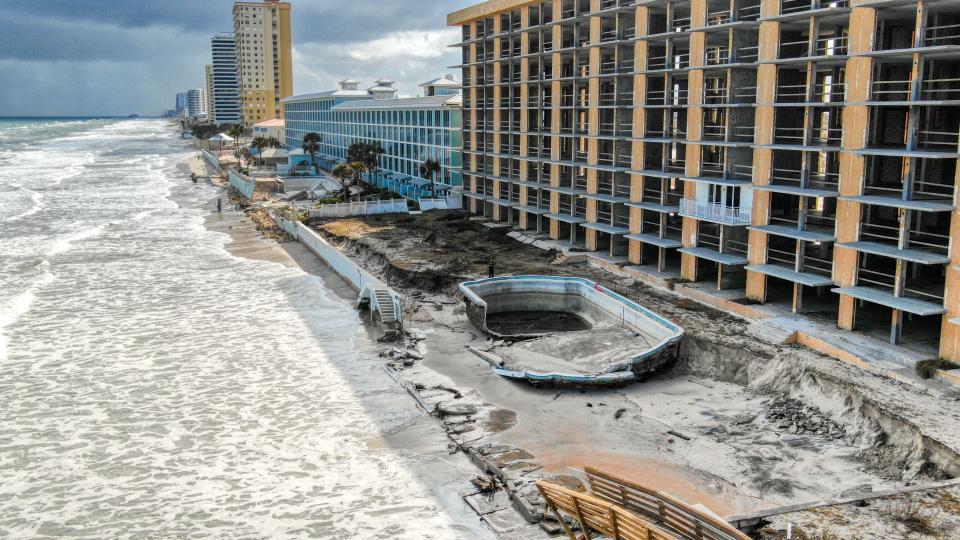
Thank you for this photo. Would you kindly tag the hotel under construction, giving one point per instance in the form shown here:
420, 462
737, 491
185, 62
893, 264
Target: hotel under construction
802, 151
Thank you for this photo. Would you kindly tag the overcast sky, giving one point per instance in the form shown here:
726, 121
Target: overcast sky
116, 57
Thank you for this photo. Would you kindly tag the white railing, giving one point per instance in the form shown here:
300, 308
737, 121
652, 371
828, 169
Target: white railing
728, 215
442, 203
359, 208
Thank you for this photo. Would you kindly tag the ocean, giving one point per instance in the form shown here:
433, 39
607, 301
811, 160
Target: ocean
152, 385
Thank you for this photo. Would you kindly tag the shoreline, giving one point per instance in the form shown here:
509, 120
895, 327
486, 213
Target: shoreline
245, 241
526, 433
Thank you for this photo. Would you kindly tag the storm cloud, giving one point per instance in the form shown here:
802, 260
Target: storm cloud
98, 57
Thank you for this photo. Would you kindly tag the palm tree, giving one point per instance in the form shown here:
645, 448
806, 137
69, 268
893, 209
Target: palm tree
372, 161
367, 154
428, 169
245, 155
236, 132
344, 173
273, 142
259, 143
311, 145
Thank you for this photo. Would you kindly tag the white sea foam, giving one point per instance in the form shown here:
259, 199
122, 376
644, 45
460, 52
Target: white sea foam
160, 387
16, 307
37, 201
66, 242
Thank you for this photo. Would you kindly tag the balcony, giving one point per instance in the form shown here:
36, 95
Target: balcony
791, 7
726, 215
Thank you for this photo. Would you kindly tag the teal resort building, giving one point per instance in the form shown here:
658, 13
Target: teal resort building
411, 130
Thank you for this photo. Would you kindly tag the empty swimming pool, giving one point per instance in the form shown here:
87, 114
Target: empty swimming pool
570, 330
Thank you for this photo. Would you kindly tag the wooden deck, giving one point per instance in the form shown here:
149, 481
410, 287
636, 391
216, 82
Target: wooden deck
621, 509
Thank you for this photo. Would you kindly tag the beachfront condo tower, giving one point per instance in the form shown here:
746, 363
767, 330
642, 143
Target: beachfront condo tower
181, 108
197, 102
263, 55
410, 131
793, 153
226, 85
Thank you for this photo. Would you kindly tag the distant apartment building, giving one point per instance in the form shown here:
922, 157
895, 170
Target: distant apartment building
795, 152
197, 102
208, 76
264, 58
410, 130
181, 105
226, 84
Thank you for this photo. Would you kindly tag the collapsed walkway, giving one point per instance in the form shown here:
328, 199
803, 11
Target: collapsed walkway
619, 508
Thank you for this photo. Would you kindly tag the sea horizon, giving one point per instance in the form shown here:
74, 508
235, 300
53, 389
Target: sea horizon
76, 117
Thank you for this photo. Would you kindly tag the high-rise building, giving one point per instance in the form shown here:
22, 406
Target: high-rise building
208, 76
800, 153
197, 102
181, 107
264, 61
226, 86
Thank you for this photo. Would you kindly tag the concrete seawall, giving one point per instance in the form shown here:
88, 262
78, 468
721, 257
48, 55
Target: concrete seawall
359, 279
211, 159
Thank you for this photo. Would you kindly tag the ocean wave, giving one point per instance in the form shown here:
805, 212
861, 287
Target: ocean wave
65, 243
140, 216
20, 304
37, 200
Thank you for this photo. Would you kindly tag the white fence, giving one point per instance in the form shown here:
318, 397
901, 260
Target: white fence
361, 208
445, 203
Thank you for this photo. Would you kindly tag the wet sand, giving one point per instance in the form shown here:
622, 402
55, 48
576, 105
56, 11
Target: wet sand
447, 475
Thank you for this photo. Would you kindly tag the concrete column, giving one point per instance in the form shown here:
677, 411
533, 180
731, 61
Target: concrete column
640, 54
764, 116
855, 123
472, 163
593, 125
497, 93
524, 112
698, 17
555, 117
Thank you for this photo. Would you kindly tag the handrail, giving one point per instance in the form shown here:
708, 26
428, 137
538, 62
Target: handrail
729, 215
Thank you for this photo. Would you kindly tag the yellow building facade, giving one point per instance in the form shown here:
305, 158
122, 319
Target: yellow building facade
208, 75
801, 153
264, 58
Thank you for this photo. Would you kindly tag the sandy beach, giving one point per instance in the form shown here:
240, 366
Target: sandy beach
754, 434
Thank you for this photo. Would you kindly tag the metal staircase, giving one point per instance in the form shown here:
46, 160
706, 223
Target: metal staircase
383, 303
